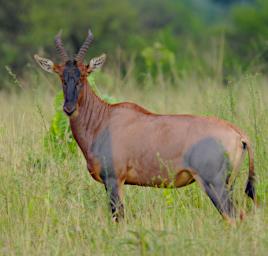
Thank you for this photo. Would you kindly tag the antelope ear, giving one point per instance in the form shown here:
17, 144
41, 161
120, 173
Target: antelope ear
96, 62
45, 64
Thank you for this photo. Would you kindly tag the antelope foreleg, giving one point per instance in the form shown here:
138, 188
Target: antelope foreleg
112, 189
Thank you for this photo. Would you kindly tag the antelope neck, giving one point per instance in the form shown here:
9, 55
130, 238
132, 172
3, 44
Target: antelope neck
91, 118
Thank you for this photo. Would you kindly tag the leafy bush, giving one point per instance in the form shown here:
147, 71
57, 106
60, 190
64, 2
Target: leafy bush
158, 58
247, 36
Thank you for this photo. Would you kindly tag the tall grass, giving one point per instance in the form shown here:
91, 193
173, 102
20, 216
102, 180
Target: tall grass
49, 207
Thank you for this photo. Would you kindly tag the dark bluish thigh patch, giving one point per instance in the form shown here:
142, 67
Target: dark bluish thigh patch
208, 158
102, 150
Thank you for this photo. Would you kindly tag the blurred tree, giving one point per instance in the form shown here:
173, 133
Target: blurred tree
12, 25
187, 28
110, 23
248, 32
230, 2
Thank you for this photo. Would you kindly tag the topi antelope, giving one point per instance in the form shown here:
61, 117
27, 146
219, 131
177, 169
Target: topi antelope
126, 144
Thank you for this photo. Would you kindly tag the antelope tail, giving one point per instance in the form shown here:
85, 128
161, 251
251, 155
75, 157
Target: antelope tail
250, 187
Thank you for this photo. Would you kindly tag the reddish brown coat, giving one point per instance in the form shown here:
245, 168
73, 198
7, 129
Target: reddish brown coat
126, 144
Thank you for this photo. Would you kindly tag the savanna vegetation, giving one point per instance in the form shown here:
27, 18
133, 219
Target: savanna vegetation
206, 58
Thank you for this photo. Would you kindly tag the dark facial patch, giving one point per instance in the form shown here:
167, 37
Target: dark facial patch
208, 158
71, 86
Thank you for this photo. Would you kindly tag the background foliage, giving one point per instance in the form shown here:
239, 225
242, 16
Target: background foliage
157, 34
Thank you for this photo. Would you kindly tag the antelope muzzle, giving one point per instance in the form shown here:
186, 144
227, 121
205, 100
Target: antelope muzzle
70, 98
69, 108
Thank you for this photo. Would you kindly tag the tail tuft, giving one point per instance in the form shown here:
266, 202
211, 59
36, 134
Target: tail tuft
250, 189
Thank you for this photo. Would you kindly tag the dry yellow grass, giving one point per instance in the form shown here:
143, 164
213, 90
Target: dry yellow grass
50, 207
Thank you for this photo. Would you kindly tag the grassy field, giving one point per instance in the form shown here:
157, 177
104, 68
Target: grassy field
53, 207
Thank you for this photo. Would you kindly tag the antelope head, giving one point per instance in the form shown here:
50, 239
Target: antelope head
72, 71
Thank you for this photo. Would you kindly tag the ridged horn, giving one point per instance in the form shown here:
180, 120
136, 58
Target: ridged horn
83, 49
60, 48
